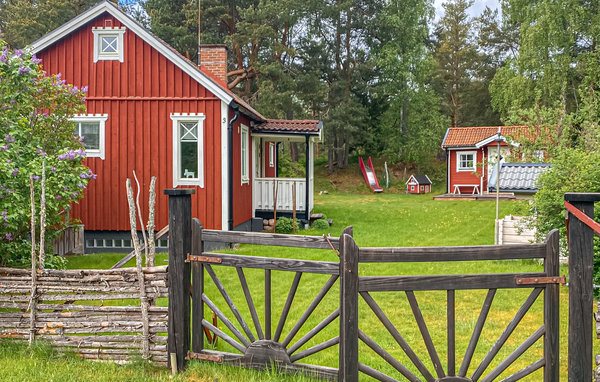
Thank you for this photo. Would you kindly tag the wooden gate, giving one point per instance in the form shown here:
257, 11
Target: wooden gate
367, 286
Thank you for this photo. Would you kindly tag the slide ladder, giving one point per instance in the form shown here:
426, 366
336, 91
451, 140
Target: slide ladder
369, 175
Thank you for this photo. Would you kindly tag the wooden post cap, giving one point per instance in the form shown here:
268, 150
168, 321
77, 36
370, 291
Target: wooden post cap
582, 196
179, 191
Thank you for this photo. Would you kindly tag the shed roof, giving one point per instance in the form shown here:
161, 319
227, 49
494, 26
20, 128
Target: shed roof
422, 179
519, 177
471, 136
306, 126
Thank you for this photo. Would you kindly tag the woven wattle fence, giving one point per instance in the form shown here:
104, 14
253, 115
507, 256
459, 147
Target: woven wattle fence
94, 313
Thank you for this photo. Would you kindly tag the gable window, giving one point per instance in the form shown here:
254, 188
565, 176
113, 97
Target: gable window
91, 130
271, 154
244, 154
466, 160
108, 44
188, 149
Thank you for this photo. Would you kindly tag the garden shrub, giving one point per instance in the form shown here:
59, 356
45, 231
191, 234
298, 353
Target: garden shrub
320, 224
285, 225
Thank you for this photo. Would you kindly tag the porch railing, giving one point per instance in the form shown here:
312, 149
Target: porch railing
263, 194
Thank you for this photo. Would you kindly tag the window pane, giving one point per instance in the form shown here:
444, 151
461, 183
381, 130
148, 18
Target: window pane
188, 131
90, 131
109, 44
189, 160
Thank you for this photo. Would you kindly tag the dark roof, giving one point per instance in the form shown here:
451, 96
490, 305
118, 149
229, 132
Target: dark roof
519, 177
422, 179
307, 126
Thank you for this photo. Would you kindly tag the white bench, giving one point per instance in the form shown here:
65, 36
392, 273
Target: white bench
474, 186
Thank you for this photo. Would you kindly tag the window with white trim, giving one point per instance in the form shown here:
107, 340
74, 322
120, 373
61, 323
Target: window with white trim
466, 160
244, 154
271, 154
108, 44
90, 128
188, 149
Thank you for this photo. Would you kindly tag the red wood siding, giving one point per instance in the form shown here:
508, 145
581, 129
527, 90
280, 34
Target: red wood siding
139, 96
242, 193
269, 171
466, 177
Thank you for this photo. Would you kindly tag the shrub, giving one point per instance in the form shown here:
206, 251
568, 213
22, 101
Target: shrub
320, 224
285, 225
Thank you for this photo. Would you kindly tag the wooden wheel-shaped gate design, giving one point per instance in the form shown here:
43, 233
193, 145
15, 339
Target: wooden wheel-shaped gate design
547, 282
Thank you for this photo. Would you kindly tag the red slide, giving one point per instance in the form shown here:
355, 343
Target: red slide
369, 175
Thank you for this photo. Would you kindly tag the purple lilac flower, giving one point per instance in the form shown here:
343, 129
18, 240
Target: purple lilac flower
18, 53
40, 152
4, 56
13, 101
53, 169
81, 138
9, 139
1, 187
5, 215
9, 237
58, 197
4, 148
15, 172
80, 185
36, 60
34, 177
65, 188
84, 89
23, 70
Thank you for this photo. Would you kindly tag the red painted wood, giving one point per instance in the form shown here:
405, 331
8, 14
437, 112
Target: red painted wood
139, 95
269, 170
467, 177
242, 193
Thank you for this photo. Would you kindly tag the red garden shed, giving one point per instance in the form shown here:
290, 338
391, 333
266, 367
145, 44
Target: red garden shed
418, 184
152, 111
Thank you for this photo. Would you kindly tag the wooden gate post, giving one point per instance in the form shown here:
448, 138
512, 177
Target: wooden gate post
348, 362
197, 288
581, 270
551, 310
180, 244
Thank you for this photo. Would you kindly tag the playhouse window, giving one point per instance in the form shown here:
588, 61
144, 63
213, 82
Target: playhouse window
466, 161
421, 188
91, 128
244, 154
271, 154
412, 188
108, 44
188, 168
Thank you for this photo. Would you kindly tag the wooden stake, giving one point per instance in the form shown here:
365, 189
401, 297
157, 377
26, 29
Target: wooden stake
275, 205
139, 210
32, 299
151, 206
294, 207
43, 218
140, 272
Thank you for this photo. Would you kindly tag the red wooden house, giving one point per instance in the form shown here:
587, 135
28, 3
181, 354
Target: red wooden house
152, 111
471, 153
418, 184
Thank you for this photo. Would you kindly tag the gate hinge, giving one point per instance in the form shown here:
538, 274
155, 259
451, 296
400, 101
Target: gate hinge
203, 259
541, 280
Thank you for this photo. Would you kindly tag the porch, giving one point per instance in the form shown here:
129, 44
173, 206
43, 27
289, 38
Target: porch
270, 191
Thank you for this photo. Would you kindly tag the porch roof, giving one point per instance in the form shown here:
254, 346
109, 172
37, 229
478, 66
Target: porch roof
284, 126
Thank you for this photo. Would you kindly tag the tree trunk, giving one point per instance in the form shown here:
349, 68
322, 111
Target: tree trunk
330, 160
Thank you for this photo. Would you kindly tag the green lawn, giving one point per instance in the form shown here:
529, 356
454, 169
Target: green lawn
378, 220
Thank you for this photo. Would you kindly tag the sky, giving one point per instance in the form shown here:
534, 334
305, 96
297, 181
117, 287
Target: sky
475, 10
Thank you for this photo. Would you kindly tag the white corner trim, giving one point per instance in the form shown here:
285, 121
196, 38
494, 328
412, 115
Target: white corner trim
458, 154
101, 119
105, 6
177, 118
246, 155
101, 32
224, 167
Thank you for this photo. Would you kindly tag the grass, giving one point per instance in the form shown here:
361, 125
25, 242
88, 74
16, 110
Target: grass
378, 220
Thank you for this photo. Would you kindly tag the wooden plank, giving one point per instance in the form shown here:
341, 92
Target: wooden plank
512, 357
435, 359
287, 306
485, 309
397, 336
313, 305
451, 322
349, 310
443, 282
250, 303
225, 320
180, 232
281, 240
525, 371
387, 357
375, 373
131, 255
506, 333
268, 304
229, 302
552, 310
315, 349
458, 253
581, 269
313, 331
224, 336
197, 289
291, 265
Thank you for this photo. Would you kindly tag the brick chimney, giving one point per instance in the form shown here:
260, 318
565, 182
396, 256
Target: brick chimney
213, 57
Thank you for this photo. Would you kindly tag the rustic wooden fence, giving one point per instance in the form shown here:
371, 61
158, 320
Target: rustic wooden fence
82, 311
254, 345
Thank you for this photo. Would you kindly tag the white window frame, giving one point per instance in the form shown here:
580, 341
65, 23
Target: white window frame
100, 152
458, 161
271, 154
244, 154
108, 32
177, 119
412, 188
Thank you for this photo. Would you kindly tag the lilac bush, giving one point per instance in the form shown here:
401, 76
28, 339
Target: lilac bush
35, 127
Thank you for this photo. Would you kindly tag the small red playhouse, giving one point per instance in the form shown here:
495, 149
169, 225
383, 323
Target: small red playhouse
418, 184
